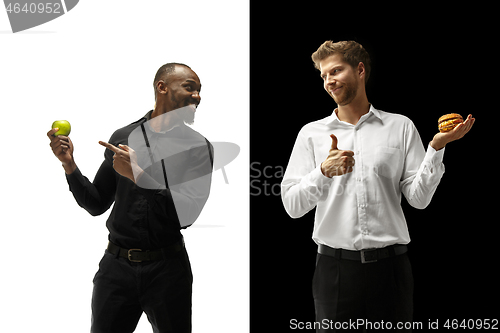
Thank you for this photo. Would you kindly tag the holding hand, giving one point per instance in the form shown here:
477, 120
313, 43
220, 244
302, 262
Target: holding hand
440, 140
339, 162
62, 147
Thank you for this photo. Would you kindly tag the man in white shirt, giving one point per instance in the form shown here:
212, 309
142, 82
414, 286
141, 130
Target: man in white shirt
352, 166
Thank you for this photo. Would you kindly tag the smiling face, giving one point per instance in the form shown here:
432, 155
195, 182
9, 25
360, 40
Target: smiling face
185, 90
340, 80
179, 89
184, 87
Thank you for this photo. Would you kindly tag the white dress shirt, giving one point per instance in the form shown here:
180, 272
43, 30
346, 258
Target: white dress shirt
361, 209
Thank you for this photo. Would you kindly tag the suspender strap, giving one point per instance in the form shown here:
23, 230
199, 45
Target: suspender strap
151, 155
210, 153
147, 143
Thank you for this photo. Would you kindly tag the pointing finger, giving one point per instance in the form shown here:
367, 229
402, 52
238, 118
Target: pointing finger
109, 146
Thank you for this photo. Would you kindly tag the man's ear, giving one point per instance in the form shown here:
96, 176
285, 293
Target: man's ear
161, 87
361, 70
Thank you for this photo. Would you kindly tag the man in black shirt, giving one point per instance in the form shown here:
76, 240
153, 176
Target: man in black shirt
157, 171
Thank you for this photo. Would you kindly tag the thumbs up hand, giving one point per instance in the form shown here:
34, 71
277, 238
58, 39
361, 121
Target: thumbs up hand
339, 162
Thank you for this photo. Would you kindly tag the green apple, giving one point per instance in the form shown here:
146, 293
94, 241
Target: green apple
64, 127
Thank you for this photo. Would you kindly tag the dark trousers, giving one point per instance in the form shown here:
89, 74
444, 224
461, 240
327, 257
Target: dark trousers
348, 291
123, 290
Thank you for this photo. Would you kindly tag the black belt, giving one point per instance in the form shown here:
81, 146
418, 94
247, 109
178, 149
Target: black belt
365, 256
138, 255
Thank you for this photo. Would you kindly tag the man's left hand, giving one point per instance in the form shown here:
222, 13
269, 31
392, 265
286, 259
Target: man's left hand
440, 140
124, 159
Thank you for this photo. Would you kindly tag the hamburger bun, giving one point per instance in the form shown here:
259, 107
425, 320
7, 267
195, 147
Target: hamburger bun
449, 121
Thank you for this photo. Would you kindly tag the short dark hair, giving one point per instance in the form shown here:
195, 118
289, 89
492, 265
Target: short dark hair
165, 71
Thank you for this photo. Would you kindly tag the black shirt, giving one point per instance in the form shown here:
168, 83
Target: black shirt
145, 217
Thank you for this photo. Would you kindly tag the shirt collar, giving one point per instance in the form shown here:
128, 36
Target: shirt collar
333, 118
375, 112
147, 116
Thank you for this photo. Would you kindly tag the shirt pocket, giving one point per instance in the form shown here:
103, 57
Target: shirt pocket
388, 162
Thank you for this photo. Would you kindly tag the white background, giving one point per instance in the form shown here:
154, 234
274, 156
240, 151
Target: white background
94, 66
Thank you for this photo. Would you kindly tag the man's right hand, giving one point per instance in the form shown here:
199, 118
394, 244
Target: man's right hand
339, 162
62, 147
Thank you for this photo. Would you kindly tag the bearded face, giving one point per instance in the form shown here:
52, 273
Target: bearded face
339, 79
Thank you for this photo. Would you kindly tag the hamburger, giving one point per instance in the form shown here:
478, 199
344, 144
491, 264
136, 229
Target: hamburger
449, 121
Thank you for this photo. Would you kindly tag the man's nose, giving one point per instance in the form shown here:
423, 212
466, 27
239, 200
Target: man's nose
196, 96
330, 80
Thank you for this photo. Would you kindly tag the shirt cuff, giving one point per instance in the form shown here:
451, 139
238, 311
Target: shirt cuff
433, 156
76, 175
317, 177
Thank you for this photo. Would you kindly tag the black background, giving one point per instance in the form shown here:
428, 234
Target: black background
426, 62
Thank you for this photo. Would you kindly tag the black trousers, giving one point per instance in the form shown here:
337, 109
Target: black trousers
123, 290
352, 296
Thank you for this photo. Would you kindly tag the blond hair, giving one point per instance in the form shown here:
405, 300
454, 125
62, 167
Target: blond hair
352, 52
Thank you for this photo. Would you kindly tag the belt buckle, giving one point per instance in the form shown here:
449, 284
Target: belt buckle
364, 260
130, 255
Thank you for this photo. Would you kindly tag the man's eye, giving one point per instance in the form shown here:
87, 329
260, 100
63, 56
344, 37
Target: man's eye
188, 88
